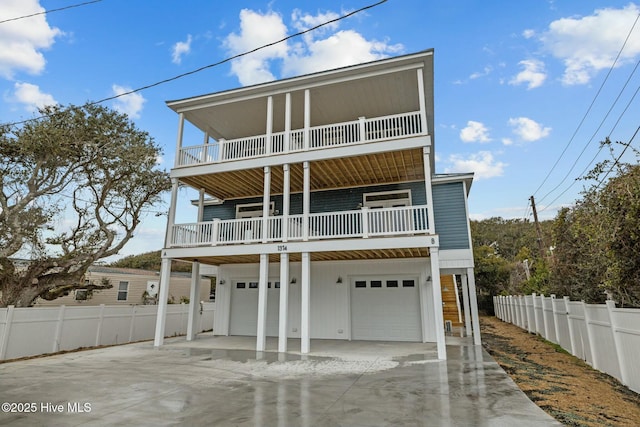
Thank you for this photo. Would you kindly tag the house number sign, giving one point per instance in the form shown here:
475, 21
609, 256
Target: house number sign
282, 248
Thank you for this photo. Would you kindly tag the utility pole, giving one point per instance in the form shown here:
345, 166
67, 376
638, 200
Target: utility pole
538, 230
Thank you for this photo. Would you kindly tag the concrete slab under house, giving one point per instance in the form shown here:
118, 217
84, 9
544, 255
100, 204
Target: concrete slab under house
328, 221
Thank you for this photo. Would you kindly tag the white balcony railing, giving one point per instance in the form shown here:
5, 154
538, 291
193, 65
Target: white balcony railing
362, 223
353, 132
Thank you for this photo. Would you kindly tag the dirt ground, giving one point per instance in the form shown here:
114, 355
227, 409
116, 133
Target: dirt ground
564, 386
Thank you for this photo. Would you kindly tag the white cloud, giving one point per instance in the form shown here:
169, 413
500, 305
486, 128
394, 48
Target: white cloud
507, 141
527, 129
589, 44
527, 34
131, 104
475, 132
180, 49
31, 96
23, 40
326, 48
255, 30
485, 72
533, 74
482, 164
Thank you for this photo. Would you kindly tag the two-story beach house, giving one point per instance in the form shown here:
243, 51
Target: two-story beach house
320, 207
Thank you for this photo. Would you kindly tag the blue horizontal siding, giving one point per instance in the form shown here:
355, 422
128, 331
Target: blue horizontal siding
450, 214
343, 199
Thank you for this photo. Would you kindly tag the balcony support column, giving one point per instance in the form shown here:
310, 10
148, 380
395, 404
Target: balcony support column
266, 203
434, 256
473, 300
261, 335
305, 312
194, 302
286, 196
171, 217
306, 200
163, 294
205, 148
466, 305
422, 102
284, 303
307, 118
267, 142
179, 140
287, 122
426, 154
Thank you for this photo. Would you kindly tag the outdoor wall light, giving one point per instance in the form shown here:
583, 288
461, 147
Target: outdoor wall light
293, 280
339, 280
428, 279
222, 281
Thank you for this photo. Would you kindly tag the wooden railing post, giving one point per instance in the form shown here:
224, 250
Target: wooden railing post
365, 222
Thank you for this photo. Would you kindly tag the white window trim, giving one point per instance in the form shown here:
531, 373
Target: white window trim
382, 193
119, 290
257, 212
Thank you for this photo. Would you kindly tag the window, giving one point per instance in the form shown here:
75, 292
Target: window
387, 199
252, 210
392, 283
376, 283
123, 290
276, 285
241, 285
82, 295
361, 284
253, 285
408, 283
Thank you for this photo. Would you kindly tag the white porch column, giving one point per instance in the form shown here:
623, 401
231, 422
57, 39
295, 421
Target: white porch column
266, 203
307, 119
205, 148
473, 300
305, 316
306, 200
287, 122
163, 294
284, 303
269, 130
426, 154
465, 305
171, 217
421, 100
179, 139
434, 256
286, 201
194, 302
261, 335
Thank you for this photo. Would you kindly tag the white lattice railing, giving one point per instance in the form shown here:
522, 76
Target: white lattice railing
361, 223
332, 135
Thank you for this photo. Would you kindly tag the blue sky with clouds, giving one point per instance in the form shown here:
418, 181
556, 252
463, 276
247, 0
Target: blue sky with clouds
518, 85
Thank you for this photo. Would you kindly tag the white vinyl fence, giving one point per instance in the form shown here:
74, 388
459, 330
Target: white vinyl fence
606, 337
32, 331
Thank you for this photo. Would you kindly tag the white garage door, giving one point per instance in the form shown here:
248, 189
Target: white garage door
244, 308
385, 309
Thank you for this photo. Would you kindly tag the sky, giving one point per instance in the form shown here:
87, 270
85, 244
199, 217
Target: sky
524, 90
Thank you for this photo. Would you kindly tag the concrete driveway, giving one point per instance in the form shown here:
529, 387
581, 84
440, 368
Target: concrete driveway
221, 382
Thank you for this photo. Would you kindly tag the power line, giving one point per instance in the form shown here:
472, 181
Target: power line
596, 132
588, 109
215, 64
616, 162
50, 11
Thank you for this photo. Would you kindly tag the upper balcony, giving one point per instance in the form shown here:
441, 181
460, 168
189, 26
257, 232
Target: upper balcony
308, 118
363, 130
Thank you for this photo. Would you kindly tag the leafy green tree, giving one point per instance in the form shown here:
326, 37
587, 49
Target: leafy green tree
149, 261
74, 186
492, 271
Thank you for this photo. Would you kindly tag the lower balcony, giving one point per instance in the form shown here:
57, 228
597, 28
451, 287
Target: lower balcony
361, 223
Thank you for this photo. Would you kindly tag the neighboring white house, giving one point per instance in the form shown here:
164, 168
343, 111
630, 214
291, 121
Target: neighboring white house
328, 220
129, 286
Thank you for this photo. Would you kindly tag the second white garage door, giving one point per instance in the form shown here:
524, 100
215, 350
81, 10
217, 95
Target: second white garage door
244, 308
385, 309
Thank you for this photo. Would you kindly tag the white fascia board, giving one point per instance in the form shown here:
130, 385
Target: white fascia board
401, 242
352, 150
456, 258
353, 72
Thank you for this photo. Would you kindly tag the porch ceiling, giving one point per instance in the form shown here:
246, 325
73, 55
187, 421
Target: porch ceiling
319, 256
379, 168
